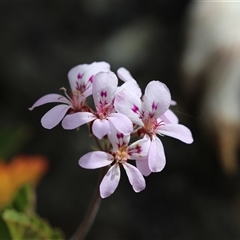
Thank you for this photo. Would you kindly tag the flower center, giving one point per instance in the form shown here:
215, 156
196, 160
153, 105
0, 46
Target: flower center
121, 155
76, 98
104, 111
150, 125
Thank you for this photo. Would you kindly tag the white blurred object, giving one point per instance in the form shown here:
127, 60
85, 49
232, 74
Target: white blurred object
212, 59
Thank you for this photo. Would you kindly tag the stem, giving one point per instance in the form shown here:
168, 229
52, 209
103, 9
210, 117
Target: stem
91, 214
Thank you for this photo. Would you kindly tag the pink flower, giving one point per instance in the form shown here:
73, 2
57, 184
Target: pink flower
104, 89
150, 115
117, 157
80, 79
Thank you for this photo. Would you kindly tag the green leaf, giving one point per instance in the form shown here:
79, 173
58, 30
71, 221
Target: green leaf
4, 231
26, 227
24, 200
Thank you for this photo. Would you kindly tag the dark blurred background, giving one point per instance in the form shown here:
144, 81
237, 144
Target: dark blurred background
40, 42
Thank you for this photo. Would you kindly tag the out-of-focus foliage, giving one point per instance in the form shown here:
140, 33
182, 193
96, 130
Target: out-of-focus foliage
21, 170
18, 178
18, 220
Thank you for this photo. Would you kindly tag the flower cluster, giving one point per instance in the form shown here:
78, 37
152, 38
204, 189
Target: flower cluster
121, 114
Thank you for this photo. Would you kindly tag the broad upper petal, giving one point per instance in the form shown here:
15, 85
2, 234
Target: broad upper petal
131, 85
95, 159
75, 120
117, 138
81, 76
122, 123
135, 177
129, 104
50, 98
75, 75
143, 167
54, 116
100, 128
156, 99
103, 88
110, 181
156, 155
95, 68
177, 131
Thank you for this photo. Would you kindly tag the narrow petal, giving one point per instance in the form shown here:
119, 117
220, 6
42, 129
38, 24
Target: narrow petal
75, 120
139, 149
124, 74
54, 116
100, 128
169, 117
103, 88
95, 159
156, 155
110, 181
50, 98
121, 123
156, 99
135, 177
129, 104
143, 167
177, 131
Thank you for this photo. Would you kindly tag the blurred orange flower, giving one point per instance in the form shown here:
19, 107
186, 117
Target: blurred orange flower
21, 170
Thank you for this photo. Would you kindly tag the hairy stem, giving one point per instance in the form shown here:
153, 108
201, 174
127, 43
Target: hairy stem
91, 214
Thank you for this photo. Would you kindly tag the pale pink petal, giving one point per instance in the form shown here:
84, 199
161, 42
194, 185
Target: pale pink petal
75, 120
124, 74
177, 131
95, 68
139, 149
54, 116
95, 159
156, 99
87, 92
129, 104
110, 181
122, 123
135, 177
156, 155
100, 128
131, 85
173, 103
117, 138
75, 75
143, 167
81, 76
50, 98
103, 88
169, 117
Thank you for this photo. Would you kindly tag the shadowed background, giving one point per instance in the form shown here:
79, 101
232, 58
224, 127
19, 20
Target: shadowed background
40, 42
